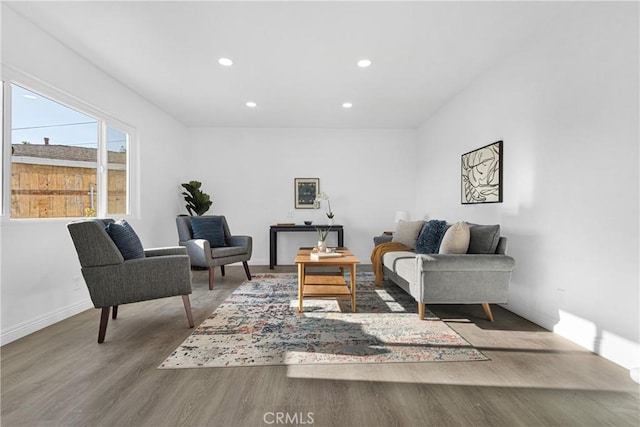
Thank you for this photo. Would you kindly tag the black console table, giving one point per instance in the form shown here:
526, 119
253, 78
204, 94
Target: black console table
275, 229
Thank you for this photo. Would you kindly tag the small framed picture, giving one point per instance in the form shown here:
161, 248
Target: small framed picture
306, 191
482, 175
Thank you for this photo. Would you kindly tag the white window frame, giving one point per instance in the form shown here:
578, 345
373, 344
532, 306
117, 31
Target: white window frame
11, 76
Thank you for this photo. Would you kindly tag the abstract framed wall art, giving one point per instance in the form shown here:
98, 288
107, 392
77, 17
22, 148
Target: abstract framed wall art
306, 191
482, 175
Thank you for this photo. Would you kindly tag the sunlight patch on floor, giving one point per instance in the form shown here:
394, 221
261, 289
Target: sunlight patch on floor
394, 307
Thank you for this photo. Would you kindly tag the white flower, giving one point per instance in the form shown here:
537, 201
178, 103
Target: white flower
323, 196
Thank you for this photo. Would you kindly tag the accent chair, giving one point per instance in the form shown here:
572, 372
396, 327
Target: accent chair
114, 279
209, 243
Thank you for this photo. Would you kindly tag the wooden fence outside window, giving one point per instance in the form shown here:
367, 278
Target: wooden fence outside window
42, 187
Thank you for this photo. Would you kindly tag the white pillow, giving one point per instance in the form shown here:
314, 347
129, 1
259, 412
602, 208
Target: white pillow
407, 232
456, 239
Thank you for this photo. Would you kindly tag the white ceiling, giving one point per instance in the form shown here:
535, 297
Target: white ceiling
297, 60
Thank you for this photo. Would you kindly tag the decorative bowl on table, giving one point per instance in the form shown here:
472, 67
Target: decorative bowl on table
308, 222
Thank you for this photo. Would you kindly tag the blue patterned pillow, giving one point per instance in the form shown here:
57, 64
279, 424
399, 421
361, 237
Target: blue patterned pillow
126, 239
209, 228
431, 236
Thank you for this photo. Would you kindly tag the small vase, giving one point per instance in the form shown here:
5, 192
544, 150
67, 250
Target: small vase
322, 246
330, 221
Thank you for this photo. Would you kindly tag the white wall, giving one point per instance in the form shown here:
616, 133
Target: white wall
41, 281
368, 175
566, 106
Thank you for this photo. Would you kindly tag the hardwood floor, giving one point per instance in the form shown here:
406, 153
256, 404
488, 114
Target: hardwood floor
60, 376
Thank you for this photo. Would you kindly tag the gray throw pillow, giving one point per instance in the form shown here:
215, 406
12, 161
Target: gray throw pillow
483, 239
407, 232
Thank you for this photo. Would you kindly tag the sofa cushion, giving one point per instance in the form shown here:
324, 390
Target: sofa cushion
456, 239
430, 237
402, 263
390, 259
209, 228
406, 269
125, 239
407, 232
483, 239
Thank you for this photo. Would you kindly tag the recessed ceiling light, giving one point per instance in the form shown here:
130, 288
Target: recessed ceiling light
364, 63
251, 104
225, 61
347, 105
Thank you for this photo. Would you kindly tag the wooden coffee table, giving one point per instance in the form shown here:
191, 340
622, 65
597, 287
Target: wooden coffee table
326, 285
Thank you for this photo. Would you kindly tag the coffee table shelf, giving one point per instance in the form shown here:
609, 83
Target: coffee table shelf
326, 285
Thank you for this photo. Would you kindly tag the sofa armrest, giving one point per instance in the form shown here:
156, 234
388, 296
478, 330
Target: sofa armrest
464, 262
168, 250
384, 238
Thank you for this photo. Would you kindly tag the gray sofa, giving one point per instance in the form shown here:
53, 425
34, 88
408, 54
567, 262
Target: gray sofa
451, 278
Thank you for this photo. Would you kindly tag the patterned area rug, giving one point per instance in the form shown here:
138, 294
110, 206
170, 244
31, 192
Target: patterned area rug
259, 325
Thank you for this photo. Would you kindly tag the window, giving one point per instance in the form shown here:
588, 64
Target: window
65, 162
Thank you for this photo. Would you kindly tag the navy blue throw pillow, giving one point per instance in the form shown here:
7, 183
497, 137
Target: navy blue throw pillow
209, 228
431, 236
126, 239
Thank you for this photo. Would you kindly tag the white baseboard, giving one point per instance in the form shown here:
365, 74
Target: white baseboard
539, 318
28, 327
585, 333
615, 348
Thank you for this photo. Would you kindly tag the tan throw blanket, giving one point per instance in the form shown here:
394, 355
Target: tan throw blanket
379, 251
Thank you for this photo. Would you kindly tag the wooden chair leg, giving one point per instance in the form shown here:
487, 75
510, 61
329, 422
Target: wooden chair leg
222, 269
104, 319
114, 313
487, 311
187, 308
246, 269
421, 310
211, 278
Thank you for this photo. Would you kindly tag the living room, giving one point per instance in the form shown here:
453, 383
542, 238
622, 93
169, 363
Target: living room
563, 98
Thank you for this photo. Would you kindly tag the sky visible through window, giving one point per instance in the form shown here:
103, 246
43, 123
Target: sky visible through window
35, 117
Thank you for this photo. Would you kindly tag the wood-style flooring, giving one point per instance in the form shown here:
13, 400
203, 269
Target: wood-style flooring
60, 376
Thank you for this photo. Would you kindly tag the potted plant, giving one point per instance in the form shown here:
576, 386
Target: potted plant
198, 202
322, 236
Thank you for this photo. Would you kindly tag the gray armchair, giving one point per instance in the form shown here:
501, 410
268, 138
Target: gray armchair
112, 280
237, 249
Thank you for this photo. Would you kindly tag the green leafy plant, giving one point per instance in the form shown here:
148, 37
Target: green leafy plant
323, 233
197, 202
